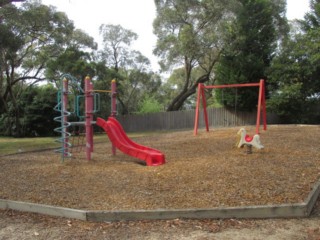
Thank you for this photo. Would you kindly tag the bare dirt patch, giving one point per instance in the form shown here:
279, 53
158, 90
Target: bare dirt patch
202, 171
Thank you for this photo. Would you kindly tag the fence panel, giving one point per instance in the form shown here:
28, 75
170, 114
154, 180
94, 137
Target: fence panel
218, 117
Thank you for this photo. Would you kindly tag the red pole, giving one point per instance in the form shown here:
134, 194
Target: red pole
205, 113
113, 107
233, 85
261, 103
259, 106
264, 113
196, 120
89, 116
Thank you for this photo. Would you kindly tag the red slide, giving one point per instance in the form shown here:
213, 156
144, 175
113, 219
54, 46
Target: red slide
120, 139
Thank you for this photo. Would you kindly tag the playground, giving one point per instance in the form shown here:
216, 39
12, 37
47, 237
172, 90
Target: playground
241, 171
203, 171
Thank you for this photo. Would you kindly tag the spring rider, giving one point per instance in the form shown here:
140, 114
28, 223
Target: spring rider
248, 141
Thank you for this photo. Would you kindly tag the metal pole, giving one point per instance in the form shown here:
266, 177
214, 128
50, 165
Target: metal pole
64, 119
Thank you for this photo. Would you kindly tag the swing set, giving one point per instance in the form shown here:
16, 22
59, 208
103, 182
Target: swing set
261, 103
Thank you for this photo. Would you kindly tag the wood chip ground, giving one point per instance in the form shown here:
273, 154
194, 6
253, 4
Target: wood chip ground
203, 171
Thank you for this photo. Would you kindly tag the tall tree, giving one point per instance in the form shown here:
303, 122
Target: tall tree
191, 34
312, 19
294, 73
116, 40
73, 61
130, 65
30, 36
5, 2
259, 26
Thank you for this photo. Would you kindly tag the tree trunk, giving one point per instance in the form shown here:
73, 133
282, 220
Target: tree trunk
124, 109
16, 110
177, 104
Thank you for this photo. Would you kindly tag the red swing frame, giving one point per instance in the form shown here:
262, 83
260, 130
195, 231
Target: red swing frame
261, 103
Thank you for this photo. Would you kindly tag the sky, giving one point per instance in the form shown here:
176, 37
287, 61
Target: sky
136, 15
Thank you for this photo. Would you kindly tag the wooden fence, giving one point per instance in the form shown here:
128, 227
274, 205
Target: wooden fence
218, 117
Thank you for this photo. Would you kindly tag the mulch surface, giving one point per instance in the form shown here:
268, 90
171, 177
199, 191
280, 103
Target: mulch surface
202, 171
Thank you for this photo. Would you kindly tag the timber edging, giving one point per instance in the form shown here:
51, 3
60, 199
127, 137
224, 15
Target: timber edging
297, 210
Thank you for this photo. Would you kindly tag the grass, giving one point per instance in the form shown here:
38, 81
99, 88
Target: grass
9, 145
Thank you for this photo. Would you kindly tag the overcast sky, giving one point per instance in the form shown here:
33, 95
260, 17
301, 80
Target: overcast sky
136, 15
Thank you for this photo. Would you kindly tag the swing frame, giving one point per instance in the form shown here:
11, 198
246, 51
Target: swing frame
260, 110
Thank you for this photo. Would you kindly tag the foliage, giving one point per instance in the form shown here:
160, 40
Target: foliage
294, 74
38, 113
72, 61
73, 58
35, 105
150, 105
31, 36
191, 34
103, 82
289, 100
116, 41
258, 28
175, 83
26, 45
208, 41
5, 2
132, 69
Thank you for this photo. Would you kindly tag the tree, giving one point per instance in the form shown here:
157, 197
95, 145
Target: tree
150, 105
102, 81
5, 2
30, 36
115, 53
259, 26
176, 81
191, 34
138, 85
294, 73
73, 61
37, 103
132, 68
312, 19
116, 40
